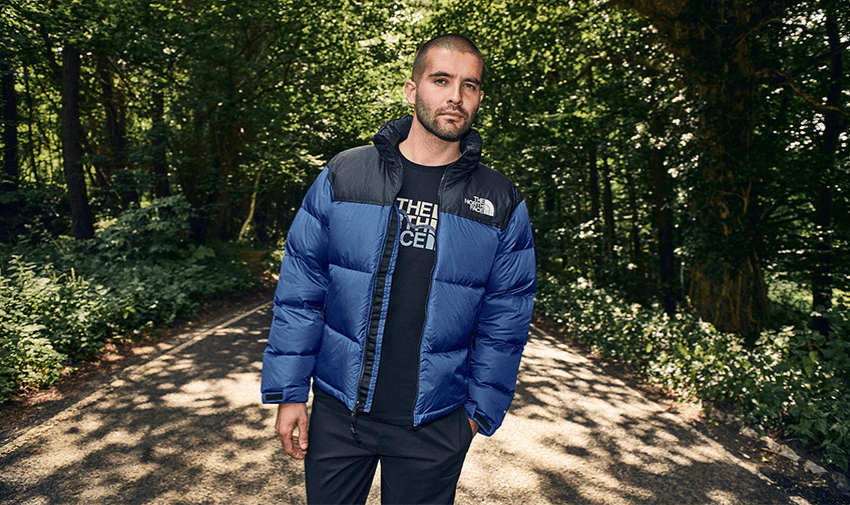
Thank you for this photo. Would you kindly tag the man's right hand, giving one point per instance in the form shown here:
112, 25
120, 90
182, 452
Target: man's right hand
291, 427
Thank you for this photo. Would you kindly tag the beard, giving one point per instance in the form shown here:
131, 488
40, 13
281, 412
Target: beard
450, 133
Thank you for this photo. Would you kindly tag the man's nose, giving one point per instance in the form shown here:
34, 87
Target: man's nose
456, 96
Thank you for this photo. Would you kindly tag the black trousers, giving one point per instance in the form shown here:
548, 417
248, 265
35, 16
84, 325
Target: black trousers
419, 465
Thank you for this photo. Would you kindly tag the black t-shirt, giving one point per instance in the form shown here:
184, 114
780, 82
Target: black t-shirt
398, 372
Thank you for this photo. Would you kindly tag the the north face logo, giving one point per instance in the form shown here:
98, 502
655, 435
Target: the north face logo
481, 205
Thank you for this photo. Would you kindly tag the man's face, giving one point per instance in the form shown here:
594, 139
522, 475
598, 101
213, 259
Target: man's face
447, 96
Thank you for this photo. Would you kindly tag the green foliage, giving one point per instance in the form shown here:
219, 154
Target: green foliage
46, 319
61, 305
205, 98
790, 302
160, 229
793, 380
39, 213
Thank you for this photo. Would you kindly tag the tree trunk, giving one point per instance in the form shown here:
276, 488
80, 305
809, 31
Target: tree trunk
30, 120
664, 221
158, 134
72, 152
822, 271
10, 126
732, 299
252, 207
608, 212
636, 249
117, 171
727, 281
578, 201
593, 182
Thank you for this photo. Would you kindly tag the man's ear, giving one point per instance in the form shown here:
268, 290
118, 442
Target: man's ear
410, 91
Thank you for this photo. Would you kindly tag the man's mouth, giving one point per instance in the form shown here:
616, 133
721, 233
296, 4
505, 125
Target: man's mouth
456, 114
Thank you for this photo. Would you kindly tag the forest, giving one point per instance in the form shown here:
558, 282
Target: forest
685, 165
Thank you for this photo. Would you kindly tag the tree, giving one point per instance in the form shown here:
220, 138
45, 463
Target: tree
715, 47
159, 135
116, 163
72, 151
10, 123
835, 122
662, 200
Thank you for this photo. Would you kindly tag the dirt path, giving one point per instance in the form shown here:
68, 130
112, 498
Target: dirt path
186, 427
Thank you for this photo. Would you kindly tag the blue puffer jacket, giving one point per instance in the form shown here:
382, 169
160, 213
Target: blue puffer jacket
335, 279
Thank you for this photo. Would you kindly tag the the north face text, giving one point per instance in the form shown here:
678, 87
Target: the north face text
419, 223
480, 205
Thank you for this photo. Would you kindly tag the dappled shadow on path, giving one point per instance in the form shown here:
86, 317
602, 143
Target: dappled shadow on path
575, 434
185, 427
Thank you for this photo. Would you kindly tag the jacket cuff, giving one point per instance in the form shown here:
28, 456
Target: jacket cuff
485, 426
287, 396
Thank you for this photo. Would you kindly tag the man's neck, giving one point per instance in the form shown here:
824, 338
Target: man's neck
424, 148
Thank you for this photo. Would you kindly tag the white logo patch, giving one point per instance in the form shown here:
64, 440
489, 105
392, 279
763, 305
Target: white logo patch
481, 205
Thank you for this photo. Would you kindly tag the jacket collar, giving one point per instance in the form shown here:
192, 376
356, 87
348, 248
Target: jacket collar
395, 131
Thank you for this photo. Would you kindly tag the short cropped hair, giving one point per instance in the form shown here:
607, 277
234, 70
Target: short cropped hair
452, 41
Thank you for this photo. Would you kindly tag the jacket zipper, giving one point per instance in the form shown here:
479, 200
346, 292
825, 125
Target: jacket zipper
428, 298
378, 294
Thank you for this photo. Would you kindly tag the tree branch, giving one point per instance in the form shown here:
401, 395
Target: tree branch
789, 80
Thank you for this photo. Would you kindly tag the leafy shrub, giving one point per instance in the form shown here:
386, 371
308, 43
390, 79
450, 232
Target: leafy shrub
35, 211
160, 229
39, 320
155, 291
790, 302
62, 304
793, 380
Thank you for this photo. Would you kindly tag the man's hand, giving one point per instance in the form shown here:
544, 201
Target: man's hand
291, 427
474, 426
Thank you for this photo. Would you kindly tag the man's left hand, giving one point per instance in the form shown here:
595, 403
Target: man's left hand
474, 427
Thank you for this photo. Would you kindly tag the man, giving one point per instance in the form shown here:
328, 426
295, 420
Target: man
405, 294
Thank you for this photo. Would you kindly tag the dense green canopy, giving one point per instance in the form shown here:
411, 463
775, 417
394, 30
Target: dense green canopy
683, 151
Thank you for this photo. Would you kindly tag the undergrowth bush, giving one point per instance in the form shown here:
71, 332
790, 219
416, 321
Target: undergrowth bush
793, 380
62, 302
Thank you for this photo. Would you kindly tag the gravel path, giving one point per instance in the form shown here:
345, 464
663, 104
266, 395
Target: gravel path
186, 427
